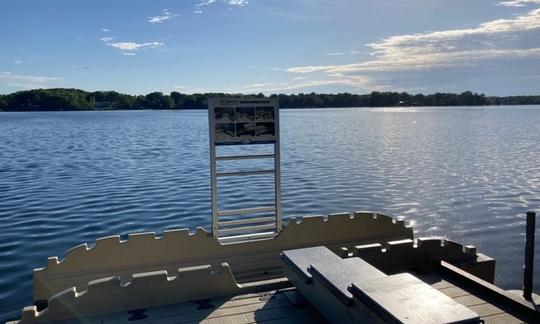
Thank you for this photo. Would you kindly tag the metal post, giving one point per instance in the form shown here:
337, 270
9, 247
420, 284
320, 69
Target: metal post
277, 168
529, 256
213, 171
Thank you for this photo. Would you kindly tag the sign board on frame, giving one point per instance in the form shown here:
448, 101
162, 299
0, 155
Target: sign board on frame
244, 121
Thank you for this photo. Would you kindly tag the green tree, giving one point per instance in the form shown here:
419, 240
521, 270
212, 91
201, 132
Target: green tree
177, 100
3, 102
156, 100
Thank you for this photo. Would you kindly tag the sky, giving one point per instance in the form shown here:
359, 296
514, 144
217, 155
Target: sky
271, 46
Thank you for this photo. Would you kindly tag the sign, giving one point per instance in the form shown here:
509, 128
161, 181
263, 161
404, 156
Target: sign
243, 121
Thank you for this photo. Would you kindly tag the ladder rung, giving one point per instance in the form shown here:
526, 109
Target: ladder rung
248, 221
247, 237
245, 157
246, 229
244, 173
246, 211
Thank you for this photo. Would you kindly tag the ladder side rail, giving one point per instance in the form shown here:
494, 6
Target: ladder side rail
213, 168
277, 167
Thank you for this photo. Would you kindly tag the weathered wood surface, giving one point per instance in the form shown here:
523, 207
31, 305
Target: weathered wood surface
329, 269
257, 260
271, 307
403, 298
365, 293
490, 309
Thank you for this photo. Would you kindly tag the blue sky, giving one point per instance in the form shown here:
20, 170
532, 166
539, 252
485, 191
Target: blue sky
271, 46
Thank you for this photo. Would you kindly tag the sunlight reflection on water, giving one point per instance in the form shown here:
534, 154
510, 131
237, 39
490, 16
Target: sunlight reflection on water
468, 174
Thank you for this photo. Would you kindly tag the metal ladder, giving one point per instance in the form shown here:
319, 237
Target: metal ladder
244, 229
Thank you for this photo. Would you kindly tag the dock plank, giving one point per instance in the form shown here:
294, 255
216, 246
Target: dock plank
271, 306
502, 319
489, 309
470, 300
405, 298
454, 292
307, 319
485, 310
435, 280
260, 315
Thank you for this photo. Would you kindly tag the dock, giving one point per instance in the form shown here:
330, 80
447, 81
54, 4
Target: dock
274, 280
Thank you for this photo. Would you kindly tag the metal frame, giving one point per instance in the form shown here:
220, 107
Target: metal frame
245, 229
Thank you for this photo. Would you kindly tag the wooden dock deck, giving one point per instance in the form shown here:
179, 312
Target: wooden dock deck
278, 306
352, 290
491, 309
288, 306
285, 280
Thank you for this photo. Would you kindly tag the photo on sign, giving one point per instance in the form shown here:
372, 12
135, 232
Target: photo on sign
224, 115
266, 130
224, 132
245, 114
265, 114
245, 129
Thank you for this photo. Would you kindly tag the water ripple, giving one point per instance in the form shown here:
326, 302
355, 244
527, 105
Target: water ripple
468, 174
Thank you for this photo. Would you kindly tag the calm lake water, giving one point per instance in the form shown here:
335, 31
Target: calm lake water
468, 174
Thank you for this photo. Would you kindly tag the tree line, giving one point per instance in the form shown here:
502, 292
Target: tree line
75, 99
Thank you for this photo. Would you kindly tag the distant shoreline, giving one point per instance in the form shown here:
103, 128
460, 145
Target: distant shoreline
79, 100
281, 108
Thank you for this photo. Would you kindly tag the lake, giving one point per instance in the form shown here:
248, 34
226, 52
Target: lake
465, 173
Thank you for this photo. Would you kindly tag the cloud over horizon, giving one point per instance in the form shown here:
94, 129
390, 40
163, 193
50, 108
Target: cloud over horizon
496, 40
279, 45
26, 81
517, 3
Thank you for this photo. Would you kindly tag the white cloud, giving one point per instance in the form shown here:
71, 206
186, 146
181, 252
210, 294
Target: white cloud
357, 82
239, 3
26, 81
203, 3
421, 62
105, 30
128, 48
232, 3
33, 78
352, 52
17, 61
437, 40
494, 40
167, 15
517, 3
132, 46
